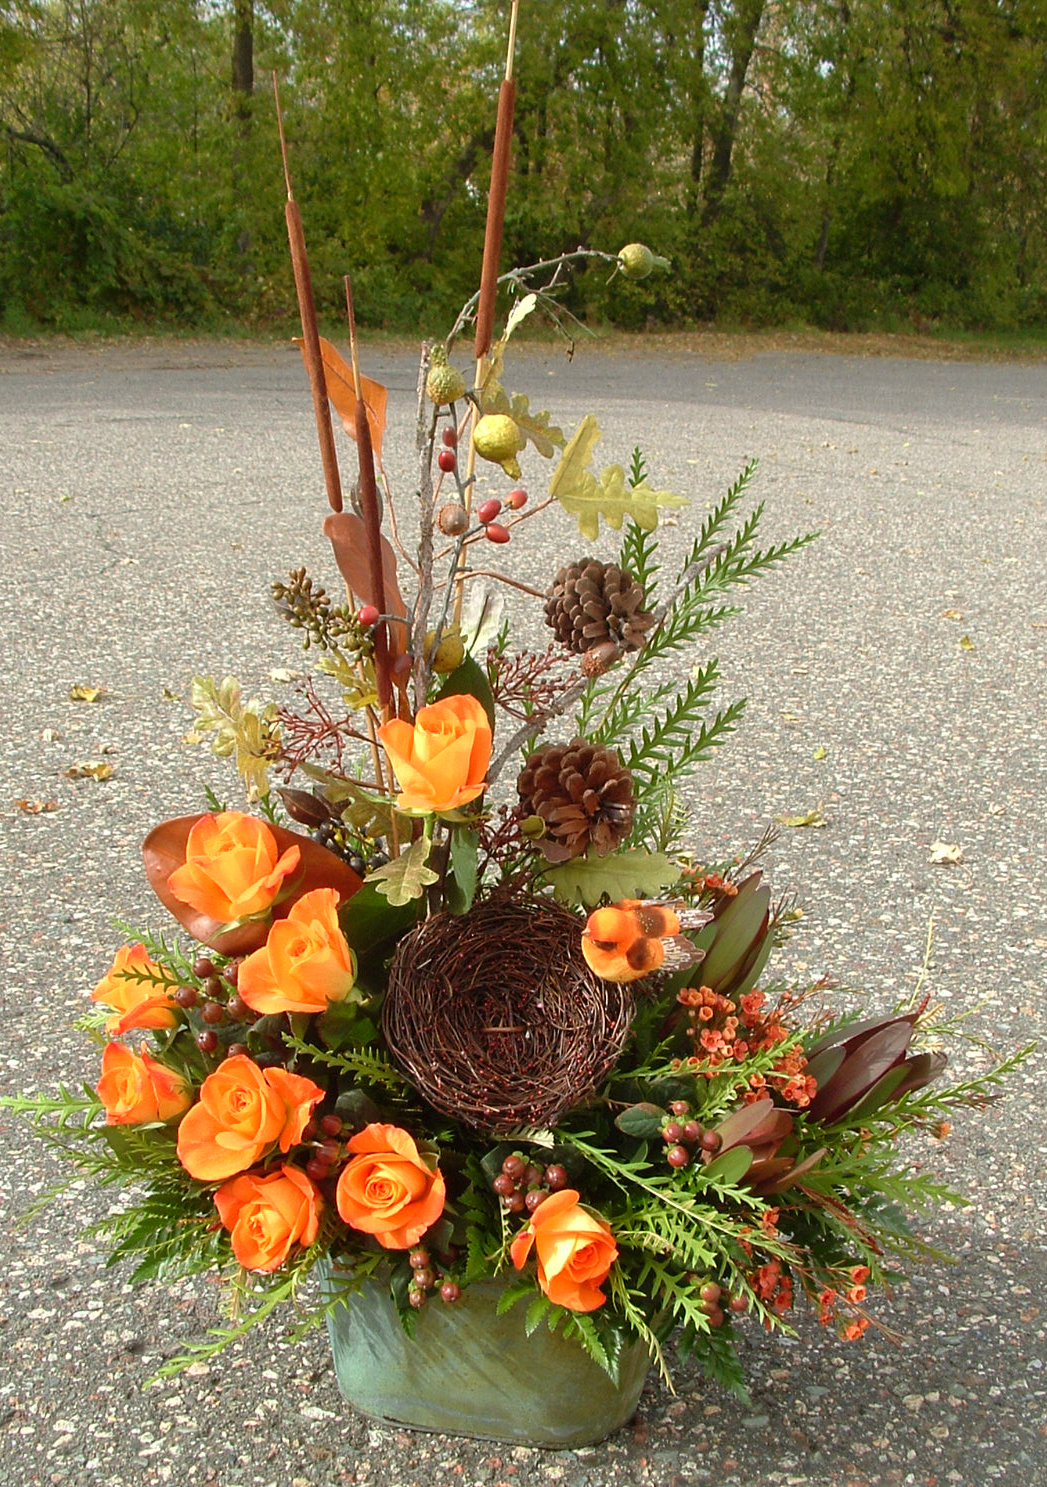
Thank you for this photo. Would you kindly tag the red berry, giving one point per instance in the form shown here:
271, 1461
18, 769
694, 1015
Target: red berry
231, 974
532, 1176
185, 996
495, 533
317, 1169
678, 1156
515, 499
711, 1292
715, 1318
214, 986
453, 520
514, 1203
504, 1185
738, 1303
450, 1291
310, 1131
239, 1011
447, 460
424, 1277
488, 510
514, 1166
692, 1132
207, 1041
555, 1177
238, 1050
450, 436
368, 615
680, 1107
416, 1297
535, 1198
672, 1133
330, 1152
711, 1141
418, 1259
213, 1013
203, 968
331, 1125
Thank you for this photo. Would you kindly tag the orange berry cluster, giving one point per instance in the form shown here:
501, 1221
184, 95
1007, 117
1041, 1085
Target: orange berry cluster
723, 1031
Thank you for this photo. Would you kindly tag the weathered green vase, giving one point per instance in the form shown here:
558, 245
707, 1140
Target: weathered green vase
469, 1371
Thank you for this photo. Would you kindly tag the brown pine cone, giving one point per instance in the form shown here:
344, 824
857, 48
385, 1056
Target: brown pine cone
591, 602
583, 793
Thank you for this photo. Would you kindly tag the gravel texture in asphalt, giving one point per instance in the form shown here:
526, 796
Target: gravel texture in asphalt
895, 673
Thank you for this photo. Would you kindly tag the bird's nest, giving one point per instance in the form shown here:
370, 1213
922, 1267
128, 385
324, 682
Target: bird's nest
496, 1017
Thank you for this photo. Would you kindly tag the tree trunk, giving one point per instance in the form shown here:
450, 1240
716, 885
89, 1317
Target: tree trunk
743, 43
243, 62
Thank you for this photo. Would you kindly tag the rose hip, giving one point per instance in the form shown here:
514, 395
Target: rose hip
447, 460
488, 510
495, 532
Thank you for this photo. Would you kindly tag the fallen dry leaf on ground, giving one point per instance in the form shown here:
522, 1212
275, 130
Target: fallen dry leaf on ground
89, 769
36, 807
945, 852
812, 819
82, 693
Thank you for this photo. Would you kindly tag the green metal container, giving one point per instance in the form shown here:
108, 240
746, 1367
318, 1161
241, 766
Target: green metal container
469, 1371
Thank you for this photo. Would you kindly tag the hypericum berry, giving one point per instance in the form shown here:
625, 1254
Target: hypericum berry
516, 499
185, 996
692, 1132
368, 615
532, 1176
416, 1297
710, 1141
450, 1291
317, 1169
555, 1177
447, 460
214, 986
331, 1125
203, 968
231, 974
330, 1152
711, 1292
238, 1050
207, 1041
504, 1185
678, 1156
714, 1318
238, 1009
450, 436
213, 1013
495, 532
310, 1131
425, 1277
418, 1259
680, 1107
535, 1198
488, 510
452, 520
514, 1203
672, 1133
738, 1303
514, 1166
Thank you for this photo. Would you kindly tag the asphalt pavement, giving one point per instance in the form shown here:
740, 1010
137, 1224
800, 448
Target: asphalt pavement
895, 673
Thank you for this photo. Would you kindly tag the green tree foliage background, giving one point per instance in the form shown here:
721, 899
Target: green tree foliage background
851, 163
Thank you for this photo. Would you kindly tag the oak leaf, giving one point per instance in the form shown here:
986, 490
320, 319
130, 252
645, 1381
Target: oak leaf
587, 499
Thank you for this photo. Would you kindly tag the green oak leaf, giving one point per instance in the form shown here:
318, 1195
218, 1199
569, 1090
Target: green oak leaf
407, 876
587, 499
632, 874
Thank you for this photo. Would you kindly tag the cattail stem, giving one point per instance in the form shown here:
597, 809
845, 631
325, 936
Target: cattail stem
310, 332
372, 520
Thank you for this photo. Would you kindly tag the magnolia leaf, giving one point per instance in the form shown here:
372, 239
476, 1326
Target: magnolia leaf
407, 876
632, 874
945, 853
587, 499
36, 807
164, 850
90, 769
81, 693
348, 536
812, 819
338, 375
518, 314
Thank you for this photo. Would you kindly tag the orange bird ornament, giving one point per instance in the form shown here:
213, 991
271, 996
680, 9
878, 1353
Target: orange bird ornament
629, 940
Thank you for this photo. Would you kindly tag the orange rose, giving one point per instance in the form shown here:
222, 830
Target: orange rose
441, 762
267, 1215
243, 1112
233, 867
387, 1189
136, 987
575, 1251
136, 1090
305, 964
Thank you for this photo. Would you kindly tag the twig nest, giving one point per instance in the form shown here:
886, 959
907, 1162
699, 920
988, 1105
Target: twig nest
496, 1018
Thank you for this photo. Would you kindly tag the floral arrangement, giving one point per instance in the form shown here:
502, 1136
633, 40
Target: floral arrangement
456, 1001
